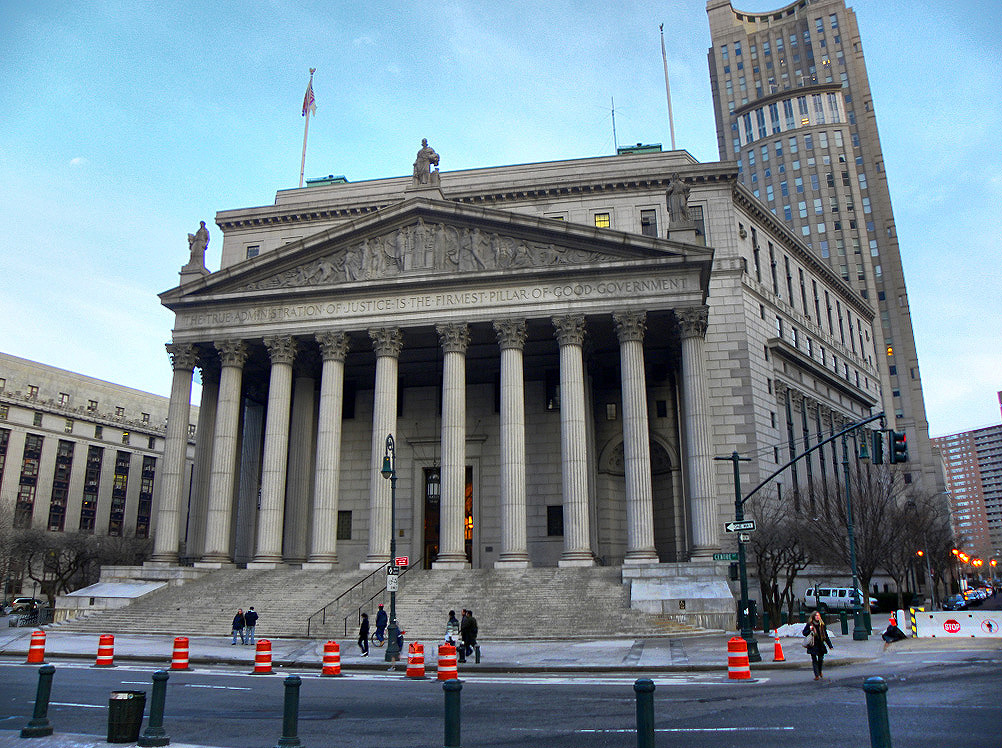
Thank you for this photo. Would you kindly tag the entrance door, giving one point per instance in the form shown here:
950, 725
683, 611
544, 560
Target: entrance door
433, 514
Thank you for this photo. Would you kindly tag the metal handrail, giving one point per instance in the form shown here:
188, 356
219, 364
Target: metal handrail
323, 611
368, 603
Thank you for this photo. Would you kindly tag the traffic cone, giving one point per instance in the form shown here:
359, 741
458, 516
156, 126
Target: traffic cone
777, 655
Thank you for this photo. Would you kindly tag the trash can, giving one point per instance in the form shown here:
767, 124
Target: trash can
125, 716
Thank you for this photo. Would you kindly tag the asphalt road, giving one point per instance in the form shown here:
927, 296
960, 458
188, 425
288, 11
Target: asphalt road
935, 698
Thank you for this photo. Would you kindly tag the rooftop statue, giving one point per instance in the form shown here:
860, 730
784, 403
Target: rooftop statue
678, 202
426, 158
197, 244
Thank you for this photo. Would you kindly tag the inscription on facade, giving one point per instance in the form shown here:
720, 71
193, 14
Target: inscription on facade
439, 301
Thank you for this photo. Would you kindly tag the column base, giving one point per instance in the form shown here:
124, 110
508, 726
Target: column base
214, 565
162, 561
320, 565
641, 558
576, 558
263, 565
704, 553
513, 564
451, 563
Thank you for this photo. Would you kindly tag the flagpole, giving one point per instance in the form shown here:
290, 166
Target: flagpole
664, 58
308, 106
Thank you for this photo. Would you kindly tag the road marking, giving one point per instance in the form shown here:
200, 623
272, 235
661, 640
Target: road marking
221, 688
691, 729
82, 706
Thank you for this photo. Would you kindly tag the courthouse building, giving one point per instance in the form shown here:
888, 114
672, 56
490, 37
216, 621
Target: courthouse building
559, 351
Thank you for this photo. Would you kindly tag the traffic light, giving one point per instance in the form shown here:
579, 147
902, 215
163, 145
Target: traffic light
877, 453
899, 447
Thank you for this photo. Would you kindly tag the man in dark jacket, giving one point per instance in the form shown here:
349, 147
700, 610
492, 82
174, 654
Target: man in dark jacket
381, 620
467, 634
250, 621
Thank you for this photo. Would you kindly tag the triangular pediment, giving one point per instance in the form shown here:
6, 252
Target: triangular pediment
422, 239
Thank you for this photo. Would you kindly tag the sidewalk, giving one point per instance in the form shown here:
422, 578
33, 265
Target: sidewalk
705, 652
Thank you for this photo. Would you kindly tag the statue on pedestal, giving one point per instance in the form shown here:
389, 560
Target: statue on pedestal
197, 244
426, 158
678, 202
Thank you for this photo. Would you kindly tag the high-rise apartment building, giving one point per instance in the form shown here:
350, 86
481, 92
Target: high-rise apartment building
973, 462
793, 107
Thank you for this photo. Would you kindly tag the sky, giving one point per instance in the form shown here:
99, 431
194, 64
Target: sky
124, 124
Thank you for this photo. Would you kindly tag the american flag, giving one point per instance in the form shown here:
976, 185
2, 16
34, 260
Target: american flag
309, 103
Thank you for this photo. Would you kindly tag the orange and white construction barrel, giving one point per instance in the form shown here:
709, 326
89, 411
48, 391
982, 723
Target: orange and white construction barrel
262, 657
415, 660
447, 669
105, 651
332, 659
179, 657
36, 650
737, 659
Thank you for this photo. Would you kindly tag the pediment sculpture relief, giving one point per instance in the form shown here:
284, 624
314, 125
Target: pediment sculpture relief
423, 248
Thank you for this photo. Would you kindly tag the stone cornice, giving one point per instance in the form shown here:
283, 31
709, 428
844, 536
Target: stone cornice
786, 350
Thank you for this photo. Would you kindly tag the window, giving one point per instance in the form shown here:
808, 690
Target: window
603, 220
125, 437
119, 491
99, 432
92, 405
253, 250
145, 418
68, 426
145, 506
119, 412
4, 412
344, 525
32, 391
554, 520
64, 398
3, 383
649, 222
37, 420
151, 443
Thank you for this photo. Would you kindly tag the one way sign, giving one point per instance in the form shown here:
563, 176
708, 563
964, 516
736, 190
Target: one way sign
747, 526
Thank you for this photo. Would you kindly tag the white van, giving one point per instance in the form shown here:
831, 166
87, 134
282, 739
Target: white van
834, 598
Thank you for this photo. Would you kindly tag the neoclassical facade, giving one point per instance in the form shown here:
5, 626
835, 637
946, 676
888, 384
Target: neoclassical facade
557, 372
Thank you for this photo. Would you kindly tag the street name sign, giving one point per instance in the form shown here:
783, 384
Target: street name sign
725, 557
747, 525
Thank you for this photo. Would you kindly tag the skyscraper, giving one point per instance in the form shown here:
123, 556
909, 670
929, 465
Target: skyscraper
793, 107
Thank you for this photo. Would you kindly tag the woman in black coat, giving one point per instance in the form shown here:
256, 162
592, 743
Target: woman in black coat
819, 632
363, 635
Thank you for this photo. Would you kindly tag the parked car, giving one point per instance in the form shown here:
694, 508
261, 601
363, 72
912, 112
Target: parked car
955, 602
22, 605
833, 598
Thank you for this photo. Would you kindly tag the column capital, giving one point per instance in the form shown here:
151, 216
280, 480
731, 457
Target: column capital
334, 345
569, 329
210, 369
387, 341
231, 352
630, 326
455, 337
183, 356
511, 333
781, 389
282, 350
692, 321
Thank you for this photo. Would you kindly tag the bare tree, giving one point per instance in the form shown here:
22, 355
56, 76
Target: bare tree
877, 495
778, 552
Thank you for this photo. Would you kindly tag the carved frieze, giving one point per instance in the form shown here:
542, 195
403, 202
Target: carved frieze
426, 248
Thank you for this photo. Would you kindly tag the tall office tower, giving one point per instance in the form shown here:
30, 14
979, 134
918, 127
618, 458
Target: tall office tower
793, 108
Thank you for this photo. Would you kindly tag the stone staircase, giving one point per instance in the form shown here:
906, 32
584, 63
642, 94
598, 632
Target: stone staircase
541, 603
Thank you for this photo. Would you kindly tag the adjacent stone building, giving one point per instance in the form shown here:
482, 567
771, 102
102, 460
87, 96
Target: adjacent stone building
559, 350
78, 453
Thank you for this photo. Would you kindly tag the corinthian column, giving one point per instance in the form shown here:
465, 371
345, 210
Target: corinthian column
276, 454
570, 332
387, 343
222, 477
702, 499
183, 359
452, 549
323, 543
514, 548
636, 440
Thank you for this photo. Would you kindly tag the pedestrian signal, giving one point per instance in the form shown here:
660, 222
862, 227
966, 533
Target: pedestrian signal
877, 453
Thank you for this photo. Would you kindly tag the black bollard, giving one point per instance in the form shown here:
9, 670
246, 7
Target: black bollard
644, 688
876, 712
476, 652
290, 719
844, 620
452, 689
154, 733
39, 726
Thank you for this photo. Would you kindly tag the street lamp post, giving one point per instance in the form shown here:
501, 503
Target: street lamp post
858, 629
744, 617
389, 470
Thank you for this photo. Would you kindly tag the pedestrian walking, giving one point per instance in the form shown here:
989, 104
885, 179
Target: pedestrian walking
363, 635
381, 620
468, 634
238, 627
250, 621
818, 633
452, 629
